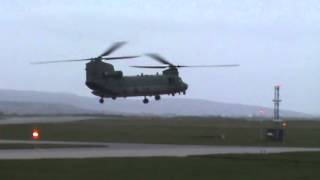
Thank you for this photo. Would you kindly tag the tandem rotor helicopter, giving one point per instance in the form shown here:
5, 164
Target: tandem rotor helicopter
106, 82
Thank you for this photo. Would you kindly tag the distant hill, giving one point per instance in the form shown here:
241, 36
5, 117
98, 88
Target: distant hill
44, 102
38, 108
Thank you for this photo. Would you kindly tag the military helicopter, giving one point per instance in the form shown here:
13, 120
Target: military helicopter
105, 82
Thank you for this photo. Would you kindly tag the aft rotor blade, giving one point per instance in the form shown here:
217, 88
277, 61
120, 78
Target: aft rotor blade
159, 58
208, 66
61, 61
113, 48
183, 66
150, 67
120, 57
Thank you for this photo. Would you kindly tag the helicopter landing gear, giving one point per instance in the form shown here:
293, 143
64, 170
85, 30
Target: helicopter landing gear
101, 100
184, 92
157, 97
114, 98
145, 100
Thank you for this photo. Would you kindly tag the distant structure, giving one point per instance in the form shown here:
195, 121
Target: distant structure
276, 101
276, 133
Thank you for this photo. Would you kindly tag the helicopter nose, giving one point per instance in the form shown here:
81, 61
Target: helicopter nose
185, 86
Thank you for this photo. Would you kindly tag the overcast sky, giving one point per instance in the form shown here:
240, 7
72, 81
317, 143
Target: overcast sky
275, 41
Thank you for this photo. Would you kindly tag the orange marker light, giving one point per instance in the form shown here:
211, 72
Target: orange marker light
35, 134
284, 125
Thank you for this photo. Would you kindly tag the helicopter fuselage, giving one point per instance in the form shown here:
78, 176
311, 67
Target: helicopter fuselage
105, 82
141, 85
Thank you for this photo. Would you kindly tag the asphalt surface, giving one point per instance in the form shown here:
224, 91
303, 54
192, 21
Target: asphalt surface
130, 150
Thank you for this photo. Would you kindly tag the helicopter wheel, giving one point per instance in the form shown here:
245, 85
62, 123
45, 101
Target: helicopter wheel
145, 100
157, 97
114, 98
184, 92
101, 100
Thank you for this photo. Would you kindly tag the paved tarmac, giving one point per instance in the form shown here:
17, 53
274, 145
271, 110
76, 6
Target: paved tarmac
131, 150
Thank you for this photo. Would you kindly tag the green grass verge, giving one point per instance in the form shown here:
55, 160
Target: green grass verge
289, 166
188, 130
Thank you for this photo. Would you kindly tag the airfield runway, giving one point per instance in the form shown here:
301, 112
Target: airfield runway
130, 150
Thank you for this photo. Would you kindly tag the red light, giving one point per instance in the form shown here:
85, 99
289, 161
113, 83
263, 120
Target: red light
284, 125
35, 134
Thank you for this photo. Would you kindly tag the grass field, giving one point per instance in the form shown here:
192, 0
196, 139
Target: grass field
183, 130
289, 166
187, 130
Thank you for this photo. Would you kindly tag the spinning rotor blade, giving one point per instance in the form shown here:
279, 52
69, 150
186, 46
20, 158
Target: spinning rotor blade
120, 57
183, 66
159, 58
151, 67
89, 59
60, 61
113, 48
207, 66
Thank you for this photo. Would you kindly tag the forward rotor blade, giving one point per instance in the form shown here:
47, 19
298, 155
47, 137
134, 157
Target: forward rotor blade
151, 67
120, 57
159, 58
113, 48
61, 61
207, 66
89, 59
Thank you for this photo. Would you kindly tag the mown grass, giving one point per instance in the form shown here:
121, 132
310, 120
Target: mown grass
180, 130
288, 166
